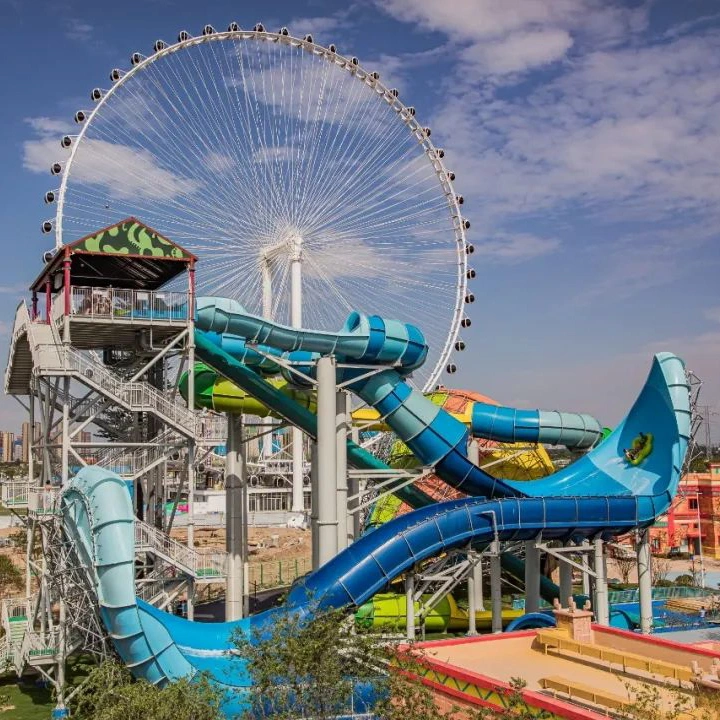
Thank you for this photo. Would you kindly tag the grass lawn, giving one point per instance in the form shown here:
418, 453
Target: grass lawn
26, 702
29, 702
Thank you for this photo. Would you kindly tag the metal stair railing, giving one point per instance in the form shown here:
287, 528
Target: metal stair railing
14, 493
196, 563
37, 647
20, 328
51, 358
15, 615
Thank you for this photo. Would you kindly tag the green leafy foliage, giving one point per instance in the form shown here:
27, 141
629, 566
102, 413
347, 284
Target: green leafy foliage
10, 577
110, 693
304, 668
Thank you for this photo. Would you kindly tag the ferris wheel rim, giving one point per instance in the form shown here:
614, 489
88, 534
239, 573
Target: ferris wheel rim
355, 69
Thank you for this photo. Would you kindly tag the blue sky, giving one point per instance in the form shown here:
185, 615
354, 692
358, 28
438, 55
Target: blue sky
585, 136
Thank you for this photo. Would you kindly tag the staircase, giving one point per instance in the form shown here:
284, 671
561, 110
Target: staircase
200, 565
15, 622
49, 357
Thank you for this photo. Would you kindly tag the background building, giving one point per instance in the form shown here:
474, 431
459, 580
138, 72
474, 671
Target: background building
25, 457
694, 518
7, 439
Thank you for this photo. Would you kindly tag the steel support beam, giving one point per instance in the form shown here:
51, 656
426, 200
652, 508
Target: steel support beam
327, 462
602, 611
235, 519
644, 581
341, 486
532, 577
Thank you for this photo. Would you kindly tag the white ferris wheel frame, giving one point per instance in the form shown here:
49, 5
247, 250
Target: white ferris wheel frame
352, 66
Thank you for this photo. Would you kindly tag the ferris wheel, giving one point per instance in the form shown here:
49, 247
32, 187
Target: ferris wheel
305, 186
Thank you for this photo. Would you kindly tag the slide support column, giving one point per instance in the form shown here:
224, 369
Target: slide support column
496, 587
472, 579
235, 519
566, 571
410, 604
602, 613
586, 570
314, 497
327, 461
341, 437
644, 581
532, 577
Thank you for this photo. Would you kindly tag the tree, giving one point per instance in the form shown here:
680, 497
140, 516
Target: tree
660, 569
110, 693
624, 561
10, 577
309, 668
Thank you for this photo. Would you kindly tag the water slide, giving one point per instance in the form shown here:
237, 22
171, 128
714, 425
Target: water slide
601, 494
387, 611
486, 420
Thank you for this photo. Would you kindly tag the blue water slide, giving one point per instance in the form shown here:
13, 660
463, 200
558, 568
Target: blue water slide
215, 355
437, 438
98, 517
576, 431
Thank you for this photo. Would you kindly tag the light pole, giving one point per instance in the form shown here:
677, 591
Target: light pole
700, 547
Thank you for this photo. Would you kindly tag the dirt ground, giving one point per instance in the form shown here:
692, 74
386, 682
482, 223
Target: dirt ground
265, 543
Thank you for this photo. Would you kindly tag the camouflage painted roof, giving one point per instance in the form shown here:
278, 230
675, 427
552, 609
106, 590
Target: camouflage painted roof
131, 237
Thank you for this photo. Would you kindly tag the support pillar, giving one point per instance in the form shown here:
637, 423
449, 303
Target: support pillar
355, 485
60, 710
566, 571
496, 587
472, 594
341, 436
586, 571
410, 604
191, 447
532, 577
474, 452
478, 585
602, 612
314, 498
235, 519
327, 462
298, 461
644, 581
296, 257
65, 431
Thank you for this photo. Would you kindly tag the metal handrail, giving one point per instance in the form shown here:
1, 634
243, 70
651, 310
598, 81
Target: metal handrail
14, 493
195, 562
121, 305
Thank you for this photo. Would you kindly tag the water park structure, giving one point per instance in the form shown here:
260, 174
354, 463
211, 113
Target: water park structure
413, 495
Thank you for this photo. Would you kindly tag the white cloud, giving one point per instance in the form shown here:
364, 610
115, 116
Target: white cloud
510, 36
124, 171
76, 29
519, 51
219, 162
320, 27
45, 126
513, 248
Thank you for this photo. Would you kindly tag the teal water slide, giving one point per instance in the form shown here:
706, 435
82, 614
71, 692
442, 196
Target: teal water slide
599, 495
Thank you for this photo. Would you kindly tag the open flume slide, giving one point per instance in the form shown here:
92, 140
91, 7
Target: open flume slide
601, 494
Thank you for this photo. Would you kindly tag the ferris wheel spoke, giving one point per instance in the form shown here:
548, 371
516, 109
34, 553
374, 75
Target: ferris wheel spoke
244, 148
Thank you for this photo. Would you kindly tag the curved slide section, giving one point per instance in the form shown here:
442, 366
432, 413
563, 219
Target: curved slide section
573, 430
98, 517
438, 439
485, 420
285, 406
